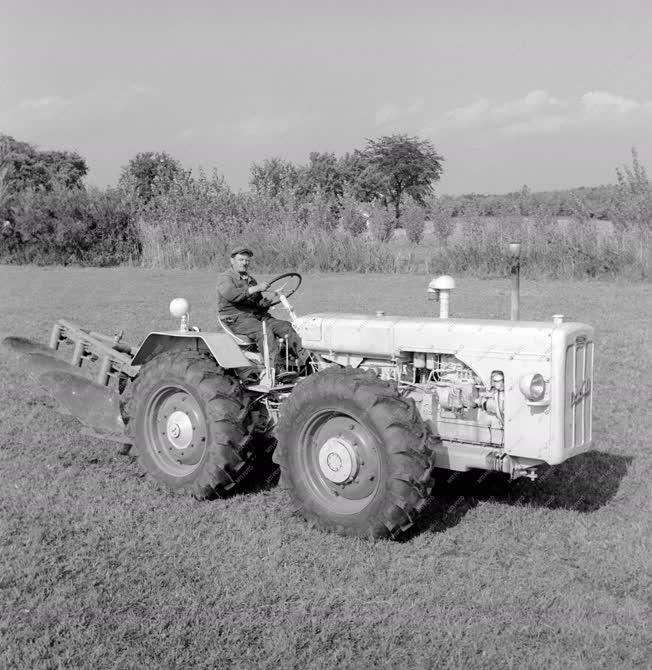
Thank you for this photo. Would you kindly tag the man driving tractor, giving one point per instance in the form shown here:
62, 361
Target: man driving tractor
243, 308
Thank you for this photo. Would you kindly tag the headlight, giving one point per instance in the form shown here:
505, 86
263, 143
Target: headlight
533, 386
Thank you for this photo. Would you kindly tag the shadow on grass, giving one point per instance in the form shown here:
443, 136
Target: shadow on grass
262, 473
584, 484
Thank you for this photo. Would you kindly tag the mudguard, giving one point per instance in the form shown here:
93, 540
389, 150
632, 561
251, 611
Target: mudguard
222, 346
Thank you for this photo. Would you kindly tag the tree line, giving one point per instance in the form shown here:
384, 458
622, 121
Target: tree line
158, 212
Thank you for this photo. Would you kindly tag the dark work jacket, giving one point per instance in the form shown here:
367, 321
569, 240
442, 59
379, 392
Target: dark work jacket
233, 297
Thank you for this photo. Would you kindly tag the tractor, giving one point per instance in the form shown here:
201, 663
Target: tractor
358, 428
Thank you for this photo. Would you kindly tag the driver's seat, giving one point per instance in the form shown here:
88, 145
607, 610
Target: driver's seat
241, 340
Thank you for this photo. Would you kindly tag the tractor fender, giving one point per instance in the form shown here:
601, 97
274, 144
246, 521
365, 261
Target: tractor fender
222, 346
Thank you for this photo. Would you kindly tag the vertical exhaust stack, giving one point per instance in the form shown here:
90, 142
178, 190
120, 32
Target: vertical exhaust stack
515, 271
442, 287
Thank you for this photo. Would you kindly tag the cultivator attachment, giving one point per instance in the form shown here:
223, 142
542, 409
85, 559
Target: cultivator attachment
95, 403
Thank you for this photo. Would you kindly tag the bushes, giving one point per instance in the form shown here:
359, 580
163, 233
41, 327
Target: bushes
381, 223
413, 220
196, 218
191, 224
352, 215
440, 213
66, 226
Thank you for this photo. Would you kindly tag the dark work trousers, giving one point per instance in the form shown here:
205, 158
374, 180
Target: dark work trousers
251, 325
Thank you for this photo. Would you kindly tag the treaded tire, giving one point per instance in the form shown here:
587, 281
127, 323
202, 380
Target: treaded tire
206, 451
380, 442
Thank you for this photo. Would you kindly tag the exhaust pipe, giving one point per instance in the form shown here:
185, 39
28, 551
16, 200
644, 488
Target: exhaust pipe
441, 288
515, 271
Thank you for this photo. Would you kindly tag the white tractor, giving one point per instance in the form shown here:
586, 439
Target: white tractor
359, 428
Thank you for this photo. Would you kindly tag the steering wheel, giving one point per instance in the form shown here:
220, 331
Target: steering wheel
290, 277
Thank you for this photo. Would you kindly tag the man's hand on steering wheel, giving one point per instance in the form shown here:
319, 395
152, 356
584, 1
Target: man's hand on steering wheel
259, 288
288, 276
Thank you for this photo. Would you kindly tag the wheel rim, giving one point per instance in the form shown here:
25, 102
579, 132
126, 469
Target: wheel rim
340, 458
176, 430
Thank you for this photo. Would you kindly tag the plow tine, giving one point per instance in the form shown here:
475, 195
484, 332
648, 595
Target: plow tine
96, 406
39, 363
21, 346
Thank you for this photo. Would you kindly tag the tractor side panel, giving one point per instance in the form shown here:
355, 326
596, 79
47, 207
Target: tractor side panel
225, 351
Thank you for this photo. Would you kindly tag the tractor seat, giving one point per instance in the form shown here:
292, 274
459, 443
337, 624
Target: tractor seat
242, 340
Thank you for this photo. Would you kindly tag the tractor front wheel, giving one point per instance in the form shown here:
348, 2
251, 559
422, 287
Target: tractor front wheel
189, 422
354, 454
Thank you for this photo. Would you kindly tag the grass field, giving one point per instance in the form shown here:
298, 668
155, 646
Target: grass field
101, 568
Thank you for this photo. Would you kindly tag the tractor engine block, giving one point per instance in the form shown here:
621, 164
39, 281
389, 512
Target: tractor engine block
450, 397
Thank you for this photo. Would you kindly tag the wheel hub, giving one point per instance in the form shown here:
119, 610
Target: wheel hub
338, 460
179, 430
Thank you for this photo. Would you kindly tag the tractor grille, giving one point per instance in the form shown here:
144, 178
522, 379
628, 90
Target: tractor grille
578, 397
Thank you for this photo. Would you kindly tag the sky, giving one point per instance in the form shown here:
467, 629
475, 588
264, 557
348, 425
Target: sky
549, 94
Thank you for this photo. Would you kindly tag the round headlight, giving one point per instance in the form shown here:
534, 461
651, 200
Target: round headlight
179, 307
533, 386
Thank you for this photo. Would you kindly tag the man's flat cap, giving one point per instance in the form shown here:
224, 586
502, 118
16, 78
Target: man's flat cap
241, 250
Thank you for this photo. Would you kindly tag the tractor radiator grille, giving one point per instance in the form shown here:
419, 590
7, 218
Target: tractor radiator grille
579, 393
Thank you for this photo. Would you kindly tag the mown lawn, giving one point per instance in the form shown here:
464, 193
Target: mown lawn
101, 568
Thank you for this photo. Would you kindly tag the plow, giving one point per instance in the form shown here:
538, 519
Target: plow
359, 429
94, 402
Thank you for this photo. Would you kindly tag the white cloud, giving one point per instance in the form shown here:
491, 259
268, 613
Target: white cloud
257, 126
263, 126
104, 101
538, 125
601, 102
483, 112
538, 112
186, 134
48, 105
470, 115
535, 102
390, 112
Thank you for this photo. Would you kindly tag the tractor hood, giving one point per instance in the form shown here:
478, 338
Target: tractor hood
389, 336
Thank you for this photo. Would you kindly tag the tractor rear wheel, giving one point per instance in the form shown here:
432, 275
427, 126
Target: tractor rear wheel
190, 424
354, 454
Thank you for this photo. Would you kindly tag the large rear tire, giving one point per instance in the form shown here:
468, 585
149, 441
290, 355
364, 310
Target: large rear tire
190, 424
354, 454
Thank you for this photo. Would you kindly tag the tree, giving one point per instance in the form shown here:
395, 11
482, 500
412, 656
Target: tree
352, 216
323, 173
365, 184
632, 203
399, 165
148, 174
273, 177
5, 187
29, 167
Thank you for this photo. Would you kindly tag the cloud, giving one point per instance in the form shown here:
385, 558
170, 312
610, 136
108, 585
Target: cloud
389, 112
187, 133
257, 126
468, 116
544, 124
46, 107
538, 112
264, 126
483, 112
599, 103
104, 101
